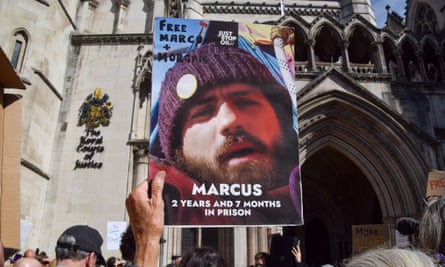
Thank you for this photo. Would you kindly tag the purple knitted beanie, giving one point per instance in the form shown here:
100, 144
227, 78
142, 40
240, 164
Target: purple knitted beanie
210, 65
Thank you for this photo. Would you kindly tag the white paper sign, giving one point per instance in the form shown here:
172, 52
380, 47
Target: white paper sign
114, 234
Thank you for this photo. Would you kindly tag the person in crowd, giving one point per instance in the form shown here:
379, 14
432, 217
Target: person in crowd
43, 258
175, 261
262, 259
145, 209
29, 253
410, 227
432, 228
115, 262
296, 252
235, 127
27, 262
202, 257
79, 246
127, 246
391, 257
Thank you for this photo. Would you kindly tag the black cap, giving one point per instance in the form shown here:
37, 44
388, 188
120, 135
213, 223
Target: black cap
85, 238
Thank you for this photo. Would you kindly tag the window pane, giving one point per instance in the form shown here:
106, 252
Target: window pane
16, 53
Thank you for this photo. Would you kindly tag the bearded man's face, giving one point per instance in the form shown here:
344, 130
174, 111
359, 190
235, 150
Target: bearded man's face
231, 134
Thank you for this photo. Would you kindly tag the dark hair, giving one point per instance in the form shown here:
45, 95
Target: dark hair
111, 261
128, 245
202, 257
65, 252
265, 257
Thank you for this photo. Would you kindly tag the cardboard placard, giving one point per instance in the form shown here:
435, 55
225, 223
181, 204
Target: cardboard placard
436, 183
370, 236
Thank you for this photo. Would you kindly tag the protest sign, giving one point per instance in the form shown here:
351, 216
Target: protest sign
370, 236
224, 123
436, 183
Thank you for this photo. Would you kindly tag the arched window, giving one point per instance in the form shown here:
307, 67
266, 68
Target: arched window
425, 20
327, 45
410, 63
390, 52
18, 49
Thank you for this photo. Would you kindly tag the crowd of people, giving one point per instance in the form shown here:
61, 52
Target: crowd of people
429, 252
80, 245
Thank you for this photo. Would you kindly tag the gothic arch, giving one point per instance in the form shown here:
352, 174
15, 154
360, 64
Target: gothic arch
322, 23
297, 23
408, 48
328, 42
349, 30
431, 54
429, 39
391, 58
423, 18
301, 49
372, 137
360, 48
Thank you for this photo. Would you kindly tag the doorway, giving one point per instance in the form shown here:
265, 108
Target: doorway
336, 195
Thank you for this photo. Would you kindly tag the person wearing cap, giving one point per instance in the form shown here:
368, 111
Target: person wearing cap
79, 246
224, 119
146, 213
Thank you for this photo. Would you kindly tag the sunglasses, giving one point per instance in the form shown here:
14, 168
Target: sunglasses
15, 258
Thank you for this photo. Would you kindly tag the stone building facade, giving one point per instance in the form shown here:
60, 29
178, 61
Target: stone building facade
370, 104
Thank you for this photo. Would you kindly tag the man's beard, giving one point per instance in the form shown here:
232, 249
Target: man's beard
261, 171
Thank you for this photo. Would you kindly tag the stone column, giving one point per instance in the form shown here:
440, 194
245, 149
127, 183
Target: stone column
402, 70
311, 45
85, 14
252, 245
263, 238
172, 246
421, 66
140, 162
441, 66
241, 246
345, 55
121, 13
379, 56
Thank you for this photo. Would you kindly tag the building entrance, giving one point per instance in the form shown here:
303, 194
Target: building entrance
336, 195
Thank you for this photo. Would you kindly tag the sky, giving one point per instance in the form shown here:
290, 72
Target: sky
397, 6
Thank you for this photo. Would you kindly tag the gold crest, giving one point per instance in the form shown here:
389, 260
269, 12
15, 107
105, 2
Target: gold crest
96, 110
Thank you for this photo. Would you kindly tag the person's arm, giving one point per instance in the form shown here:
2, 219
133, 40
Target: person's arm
147, 220
297, 255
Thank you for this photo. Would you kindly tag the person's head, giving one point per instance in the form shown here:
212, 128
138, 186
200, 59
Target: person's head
114, 262
176, 260
29, 253
202, 257
80, 243
432, 226
224, 117
127, 245
262, 259
43, 258
27, 262
384, 257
